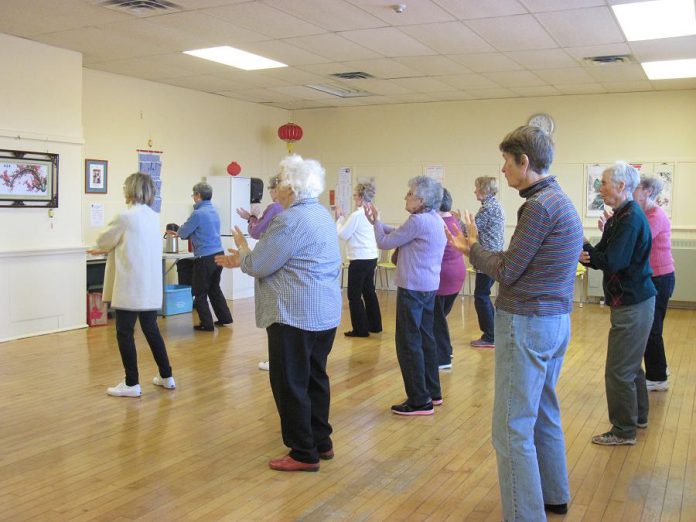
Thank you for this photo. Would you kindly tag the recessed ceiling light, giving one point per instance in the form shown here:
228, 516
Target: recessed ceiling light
656, 19
235, 58
667, 69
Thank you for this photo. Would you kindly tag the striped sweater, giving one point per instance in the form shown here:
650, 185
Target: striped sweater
537, 272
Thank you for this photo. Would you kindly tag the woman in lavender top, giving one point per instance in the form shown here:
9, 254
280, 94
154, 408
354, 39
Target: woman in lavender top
452, 274
421, 242
258, 225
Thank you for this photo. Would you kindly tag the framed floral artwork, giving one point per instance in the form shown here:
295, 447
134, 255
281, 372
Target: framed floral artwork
28, 179
96, 172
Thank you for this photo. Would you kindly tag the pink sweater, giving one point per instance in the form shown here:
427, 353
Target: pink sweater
661, 260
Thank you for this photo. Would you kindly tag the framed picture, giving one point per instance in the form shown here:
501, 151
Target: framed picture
28, 179
96, 172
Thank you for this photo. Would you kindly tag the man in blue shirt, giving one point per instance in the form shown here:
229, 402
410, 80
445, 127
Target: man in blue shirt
202, 228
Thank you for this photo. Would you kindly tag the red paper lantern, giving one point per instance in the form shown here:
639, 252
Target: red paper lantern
290, 133
233, 168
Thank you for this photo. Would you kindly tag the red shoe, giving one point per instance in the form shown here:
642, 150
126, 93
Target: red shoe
287, 463
326, 455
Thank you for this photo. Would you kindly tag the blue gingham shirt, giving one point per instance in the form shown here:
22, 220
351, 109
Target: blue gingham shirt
296, 264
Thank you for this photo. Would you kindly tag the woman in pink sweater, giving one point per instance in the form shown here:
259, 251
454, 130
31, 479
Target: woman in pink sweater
662, 265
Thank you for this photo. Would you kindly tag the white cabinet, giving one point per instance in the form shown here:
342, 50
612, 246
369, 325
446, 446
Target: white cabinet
234, 283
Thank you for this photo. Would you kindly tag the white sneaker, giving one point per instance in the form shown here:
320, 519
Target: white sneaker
445, 367
166, 383
657, 385
264, 366
123, 390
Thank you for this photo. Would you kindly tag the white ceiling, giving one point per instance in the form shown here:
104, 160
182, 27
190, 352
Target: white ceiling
436, 50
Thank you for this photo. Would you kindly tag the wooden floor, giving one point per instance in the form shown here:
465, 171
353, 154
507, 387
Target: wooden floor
70, 452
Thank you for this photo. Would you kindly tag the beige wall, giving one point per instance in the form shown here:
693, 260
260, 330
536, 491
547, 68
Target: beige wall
200, 134
395, 142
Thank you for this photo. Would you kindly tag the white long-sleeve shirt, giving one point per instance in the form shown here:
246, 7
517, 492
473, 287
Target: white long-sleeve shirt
359, 236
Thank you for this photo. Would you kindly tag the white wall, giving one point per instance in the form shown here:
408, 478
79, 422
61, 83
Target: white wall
395, 142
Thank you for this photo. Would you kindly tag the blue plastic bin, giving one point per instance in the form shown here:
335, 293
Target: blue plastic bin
177, 300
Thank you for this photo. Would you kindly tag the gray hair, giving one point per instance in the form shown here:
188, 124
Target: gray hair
622, 171
427, 190
366, 191
139, 189
532, 142
272, 182
653, 184
304, 176
204, 190
487, 185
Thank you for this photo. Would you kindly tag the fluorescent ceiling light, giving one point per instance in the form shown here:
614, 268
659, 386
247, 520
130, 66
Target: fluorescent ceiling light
656, 19
667, 69
235, 58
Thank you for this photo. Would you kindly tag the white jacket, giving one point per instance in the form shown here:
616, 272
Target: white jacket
133, 277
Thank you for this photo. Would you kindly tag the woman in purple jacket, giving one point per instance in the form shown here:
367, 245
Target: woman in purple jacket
452, 275
421, 242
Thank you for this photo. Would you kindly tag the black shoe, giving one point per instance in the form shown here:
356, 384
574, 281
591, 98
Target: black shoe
353, 333
559, 509
222, 323
406, 409
202, 328
376, 331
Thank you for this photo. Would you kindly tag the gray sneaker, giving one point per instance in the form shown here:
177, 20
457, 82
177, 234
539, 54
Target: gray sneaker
609, 439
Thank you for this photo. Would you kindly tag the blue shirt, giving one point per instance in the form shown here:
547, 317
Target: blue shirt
202, 228
296, 264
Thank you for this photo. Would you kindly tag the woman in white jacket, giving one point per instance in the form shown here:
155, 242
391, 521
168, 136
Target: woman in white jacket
362, 252
133, 282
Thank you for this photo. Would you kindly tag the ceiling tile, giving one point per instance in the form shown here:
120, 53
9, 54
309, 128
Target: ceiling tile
539, 90
580, 88
468, 9
634, 86
423, 84
433, 65
291, 76
208, 28
598, 50
202, 82
146, 68
418, 12
264, 19
486, 62
416, 97
485, 94
595, 25
566, 75
388, 41
678, 83
383, 68
543, 59
515, 78
469, 81
383, 87
664, 49
333, 47
513, 33
448, 38
301, 92
616, 72
451, 96
539, 6
336, 15
284, 53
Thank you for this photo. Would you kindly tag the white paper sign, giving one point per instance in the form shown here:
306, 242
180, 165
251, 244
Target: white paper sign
96, 215
344, 189
437, 172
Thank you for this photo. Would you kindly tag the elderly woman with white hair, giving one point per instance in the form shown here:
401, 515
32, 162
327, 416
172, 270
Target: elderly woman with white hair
362, 253
296, 264
421, 242
623, 254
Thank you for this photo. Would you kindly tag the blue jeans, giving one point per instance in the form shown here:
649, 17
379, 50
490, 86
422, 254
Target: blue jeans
483, 305
527, 433
415, 345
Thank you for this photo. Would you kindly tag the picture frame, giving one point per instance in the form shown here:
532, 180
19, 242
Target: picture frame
96, 176
28, 179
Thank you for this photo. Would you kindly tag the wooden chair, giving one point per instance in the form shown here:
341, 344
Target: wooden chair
384, 264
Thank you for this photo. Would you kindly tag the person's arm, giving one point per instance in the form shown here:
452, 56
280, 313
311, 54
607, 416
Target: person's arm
614, 253
507, 266
111, 237
388, 237
258, 226
347, 227
189, 227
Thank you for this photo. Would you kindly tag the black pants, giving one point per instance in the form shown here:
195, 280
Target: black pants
300, 385
483, 306
365, 315
206, 285
655, 358
443, 306
125, 327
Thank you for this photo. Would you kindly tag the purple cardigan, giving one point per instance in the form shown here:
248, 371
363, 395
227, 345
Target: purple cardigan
421, 242
259, 226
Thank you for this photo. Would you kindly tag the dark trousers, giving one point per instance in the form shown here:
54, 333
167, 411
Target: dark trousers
415, 345
443, 306
365, 315
206, 285
125, 327
300, 385
483, 305
655, 358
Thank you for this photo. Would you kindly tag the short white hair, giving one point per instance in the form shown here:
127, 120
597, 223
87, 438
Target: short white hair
622, 171
304, 176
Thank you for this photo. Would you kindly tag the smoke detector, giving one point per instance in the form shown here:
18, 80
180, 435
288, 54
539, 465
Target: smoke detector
399, 8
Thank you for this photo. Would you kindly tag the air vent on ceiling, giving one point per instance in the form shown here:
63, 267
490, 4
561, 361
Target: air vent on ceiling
610, 59
357, 75
141, 7
335, 90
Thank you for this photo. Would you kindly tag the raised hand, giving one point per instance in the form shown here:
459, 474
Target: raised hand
231, 261
239, 239
371, 212
243, 213
457, 240
603, 219
471, 228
